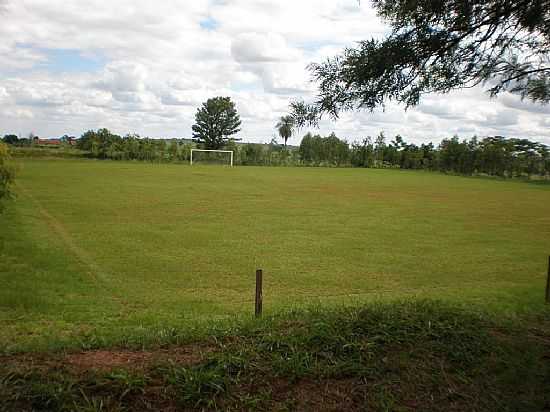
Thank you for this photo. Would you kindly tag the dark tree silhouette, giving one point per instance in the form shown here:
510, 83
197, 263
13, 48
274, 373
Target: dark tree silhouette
438, 46
285, 127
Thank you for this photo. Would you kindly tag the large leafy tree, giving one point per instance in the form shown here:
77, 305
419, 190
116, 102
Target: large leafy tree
216, 120
285, 127
438, 46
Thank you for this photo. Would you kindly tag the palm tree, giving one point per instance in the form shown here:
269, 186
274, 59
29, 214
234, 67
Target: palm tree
285, 127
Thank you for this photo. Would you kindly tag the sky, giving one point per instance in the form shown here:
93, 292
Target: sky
142, 66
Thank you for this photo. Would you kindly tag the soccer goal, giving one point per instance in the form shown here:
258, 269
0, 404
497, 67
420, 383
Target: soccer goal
211, 157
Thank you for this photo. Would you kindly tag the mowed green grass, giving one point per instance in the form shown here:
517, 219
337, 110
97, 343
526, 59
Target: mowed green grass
101, 248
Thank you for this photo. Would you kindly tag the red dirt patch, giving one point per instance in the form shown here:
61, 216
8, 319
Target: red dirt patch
328, 395
107, 359
104, 360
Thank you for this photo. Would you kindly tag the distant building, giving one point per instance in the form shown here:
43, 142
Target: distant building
49, 142
70, 140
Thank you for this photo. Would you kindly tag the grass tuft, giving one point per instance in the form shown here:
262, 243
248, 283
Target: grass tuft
411, 355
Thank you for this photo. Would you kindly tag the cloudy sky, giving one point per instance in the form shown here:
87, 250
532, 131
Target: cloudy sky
145, 67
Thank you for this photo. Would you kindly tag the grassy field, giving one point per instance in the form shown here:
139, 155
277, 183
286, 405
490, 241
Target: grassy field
92, 251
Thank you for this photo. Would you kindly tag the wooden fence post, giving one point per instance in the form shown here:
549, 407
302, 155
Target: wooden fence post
548, 283
258, 306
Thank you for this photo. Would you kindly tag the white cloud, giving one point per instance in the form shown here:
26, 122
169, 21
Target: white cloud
19, 58
4, 95
123, 77
155, 64
260, 48
14, 113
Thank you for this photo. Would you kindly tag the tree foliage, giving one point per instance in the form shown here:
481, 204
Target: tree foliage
438, 46
103, 144
98, 143
494, 155
327, 151
10, 139
216, 120
285, 127
6, 174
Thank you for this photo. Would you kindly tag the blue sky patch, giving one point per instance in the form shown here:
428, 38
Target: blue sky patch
68, 60
64, 60
209, 23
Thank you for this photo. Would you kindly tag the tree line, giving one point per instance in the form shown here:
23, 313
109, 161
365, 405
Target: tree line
495, 156
102, 144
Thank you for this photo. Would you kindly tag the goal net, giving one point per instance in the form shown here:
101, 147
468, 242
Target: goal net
217, 157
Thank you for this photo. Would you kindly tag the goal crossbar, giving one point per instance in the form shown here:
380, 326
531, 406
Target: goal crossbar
210, 150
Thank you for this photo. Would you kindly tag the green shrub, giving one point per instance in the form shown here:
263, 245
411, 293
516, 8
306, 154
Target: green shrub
6, 174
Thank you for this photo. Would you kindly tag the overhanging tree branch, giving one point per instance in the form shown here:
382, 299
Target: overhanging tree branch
438, 46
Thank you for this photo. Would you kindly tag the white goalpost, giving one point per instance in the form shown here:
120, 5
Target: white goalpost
216, 151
